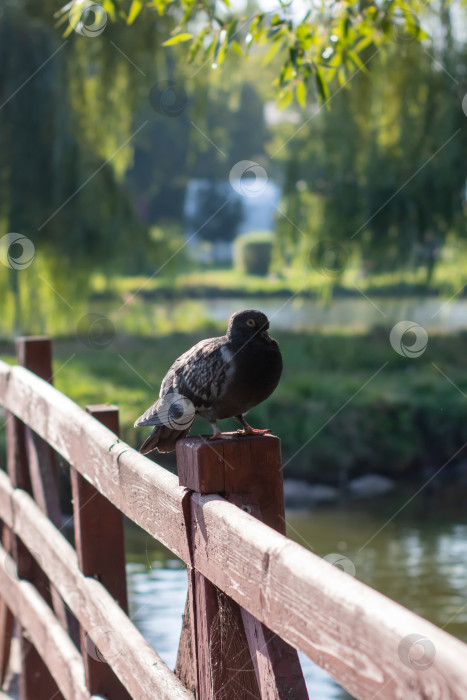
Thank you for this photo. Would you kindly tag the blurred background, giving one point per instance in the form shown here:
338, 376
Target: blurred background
144, 198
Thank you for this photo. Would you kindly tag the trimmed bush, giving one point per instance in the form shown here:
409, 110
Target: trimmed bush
253, 251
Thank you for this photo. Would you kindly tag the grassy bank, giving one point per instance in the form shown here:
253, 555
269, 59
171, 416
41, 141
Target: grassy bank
283, 281
347, 404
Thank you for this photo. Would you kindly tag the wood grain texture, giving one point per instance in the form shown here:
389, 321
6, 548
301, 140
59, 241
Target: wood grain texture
100, 547
237, 464
334, 619
6, 616
148, 495
185, 667
235, 652
111, 635
35, 354
343, 625
32, 666
45, 632
225, 667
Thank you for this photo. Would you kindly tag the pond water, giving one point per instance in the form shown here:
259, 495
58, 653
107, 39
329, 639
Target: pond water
307, 314
415, 552
297, 314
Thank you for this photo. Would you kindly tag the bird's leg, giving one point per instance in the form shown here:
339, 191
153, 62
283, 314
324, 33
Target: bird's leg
247, 429
216, 433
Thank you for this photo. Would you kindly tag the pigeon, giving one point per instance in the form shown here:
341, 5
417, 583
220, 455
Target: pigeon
217, 378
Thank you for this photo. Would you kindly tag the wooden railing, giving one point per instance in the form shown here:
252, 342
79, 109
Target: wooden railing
254, 595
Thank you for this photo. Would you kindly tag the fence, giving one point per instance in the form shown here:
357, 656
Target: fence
254, 595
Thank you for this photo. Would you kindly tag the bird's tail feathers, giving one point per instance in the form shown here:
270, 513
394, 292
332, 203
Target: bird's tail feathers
163, 438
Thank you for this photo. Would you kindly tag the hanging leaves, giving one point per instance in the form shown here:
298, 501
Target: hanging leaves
331, 41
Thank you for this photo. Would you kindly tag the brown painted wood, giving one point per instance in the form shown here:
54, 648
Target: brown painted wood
251, 470
6, 616
185, 667
100, 547
278, 670
147, 495
225, 667
334, 619
276, 663
46, 634
111, 635
35, 354
248, 464
200, 465
27, 568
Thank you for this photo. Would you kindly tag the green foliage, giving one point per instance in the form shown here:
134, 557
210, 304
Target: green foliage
217, 217
253, 252
309, 49
407, 417
379, 175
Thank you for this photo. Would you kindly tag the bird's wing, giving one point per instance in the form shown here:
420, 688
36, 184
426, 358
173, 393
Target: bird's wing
196, 377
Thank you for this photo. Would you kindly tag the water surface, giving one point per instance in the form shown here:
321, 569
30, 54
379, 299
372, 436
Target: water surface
418, 557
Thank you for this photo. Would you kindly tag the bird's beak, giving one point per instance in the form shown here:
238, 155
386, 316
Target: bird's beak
266, 336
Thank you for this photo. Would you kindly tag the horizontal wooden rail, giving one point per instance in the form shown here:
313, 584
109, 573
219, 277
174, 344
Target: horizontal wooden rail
46, 633
133, 660
343, 625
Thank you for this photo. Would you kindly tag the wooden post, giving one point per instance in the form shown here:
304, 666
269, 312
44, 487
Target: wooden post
35, 354
230, 643
6, 616
30, 464
100, 546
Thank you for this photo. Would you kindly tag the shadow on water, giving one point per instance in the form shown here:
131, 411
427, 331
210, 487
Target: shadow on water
418, 559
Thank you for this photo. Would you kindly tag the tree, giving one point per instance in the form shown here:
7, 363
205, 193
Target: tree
217, 215
380, 174
326, 41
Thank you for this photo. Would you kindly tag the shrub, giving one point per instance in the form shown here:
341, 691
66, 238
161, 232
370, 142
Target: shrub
252, 252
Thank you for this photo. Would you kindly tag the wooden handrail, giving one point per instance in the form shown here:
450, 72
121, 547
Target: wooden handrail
340, 623
136, 664
46, 633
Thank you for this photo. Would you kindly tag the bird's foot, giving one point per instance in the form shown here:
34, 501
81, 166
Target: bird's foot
252, 431
215, 436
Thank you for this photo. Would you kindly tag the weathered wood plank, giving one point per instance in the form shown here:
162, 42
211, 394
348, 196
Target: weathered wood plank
32, 666
46, 633
336, 620
6, 616
100, 547
225, 668
149, 496
251, 472
111, 635
185, 667
35, 354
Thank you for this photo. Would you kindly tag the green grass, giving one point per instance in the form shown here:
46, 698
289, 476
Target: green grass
339, 409
448, 278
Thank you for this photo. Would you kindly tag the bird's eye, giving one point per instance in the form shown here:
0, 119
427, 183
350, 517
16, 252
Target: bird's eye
251, 322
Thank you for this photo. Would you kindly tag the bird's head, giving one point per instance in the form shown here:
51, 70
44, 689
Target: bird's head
246, 324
